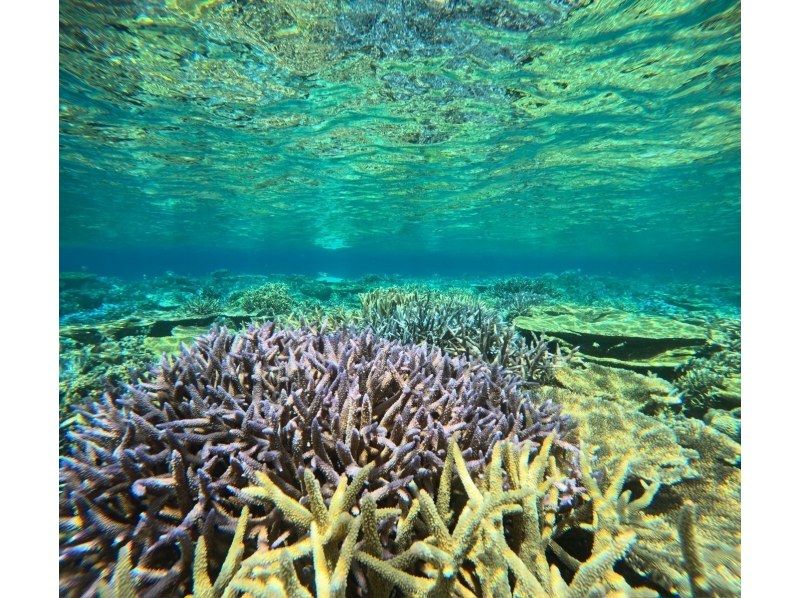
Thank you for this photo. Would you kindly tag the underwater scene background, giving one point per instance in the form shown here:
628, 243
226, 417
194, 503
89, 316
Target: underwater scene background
415, 297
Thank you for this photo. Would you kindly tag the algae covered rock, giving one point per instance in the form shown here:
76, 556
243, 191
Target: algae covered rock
619, 338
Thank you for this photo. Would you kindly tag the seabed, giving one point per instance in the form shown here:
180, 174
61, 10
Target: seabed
631, 486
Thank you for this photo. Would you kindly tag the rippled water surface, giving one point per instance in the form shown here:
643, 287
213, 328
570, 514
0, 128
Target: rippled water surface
558, 130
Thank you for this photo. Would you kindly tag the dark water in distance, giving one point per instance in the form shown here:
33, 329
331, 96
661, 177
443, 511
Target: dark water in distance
348, 263
406, 137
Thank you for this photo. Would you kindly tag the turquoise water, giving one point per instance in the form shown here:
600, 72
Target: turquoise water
383, 136
325, 262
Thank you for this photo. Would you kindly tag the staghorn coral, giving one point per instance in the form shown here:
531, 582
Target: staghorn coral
712, 378
516, 304
543, 286
268, 300
459, 325
204, 302
317, 316
122, 583
171, 456
493, 535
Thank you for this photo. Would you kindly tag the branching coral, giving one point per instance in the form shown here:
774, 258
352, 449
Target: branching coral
490, 535
459, 325
495, 534
713, 376
171, 456
320, 317
268, 300
202, 303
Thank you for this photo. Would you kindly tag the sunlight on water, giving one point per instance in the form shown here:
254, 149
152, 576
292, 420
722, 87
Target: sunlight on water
399, 297
603, 131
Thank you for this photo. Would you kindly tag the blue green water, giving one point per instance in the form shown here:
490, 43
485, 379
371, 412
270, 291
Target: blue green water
548, 191
404, 136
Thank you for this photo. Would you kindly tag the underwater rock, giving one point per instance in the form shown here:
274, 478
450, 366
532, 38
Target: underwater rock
618, 338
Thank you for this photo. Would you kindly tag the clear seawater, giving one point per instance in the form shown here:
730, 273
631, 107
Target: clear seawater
417, 137
559, 174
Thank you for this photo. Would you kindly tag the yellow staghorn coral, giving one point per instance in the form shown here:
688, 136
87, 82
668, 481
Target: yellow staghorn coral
121, 585
477, 557
330, 542
497, 534
203, 587
487, 536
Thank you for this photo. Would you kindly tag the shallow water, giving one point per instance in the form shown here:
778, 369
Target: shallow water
532, 200
545, 135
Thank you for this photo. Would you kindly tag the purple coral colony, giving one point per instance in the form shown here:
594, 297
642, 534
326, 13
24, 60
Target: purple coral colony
162, 462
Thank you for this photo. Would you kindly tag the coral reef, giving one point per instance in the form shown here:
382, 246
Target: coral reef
618, 338
544, 286
459, 325
616, 429
79, 291
727, 422
154, 512
713, 377
203, 302
488, 537
648, 394
623, 413
173, 455
269, 300
495, 534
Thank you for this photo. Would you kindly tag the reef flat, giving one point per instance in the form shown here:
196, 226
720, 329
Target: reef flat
560, 435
